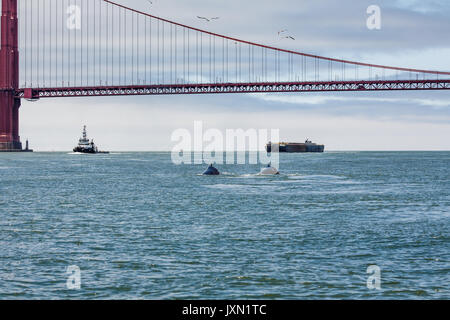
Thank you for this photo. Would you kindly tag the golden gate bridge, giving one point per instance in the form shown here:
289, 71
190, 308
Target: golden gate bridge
79, 48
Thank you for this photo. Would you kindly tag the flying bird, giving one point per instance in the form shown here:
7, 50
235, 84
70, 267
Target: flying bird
289, 37
208, 19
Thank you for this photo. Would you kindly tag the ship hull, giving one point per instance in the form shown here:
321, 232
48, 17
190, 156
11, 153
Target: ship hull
296, 148
89, 151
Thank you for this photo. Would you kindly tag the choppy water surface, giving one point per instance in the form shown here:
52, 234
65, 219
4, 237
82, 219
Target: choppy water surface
140, 227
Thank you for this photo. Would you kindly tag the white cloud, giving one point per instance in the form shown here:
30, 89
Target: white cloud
429, 6
323, 99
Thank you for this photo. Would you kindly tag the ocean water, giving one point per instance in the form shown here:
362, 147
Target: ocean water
139, 227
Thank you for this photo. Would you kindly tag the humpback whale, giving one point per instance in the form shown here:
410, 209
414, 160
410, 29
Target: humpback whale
269, 170
211, 171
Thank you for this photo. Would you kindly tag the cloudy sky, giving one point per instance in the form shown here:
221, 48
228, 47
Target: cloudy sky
414, 34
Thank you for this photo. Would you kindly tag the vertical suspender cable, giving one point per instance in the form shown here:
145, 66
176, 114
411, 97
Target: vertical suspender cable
184, 55
196, 56
100, 42
223, 59
188, 57
249, 63
95, 42
145, 50
44, 39
150, 50
81, 42
50, 46
176, 54
25, 13
211, 57
56, 44
32, 51
87, 41
238, 61
107, 45
137, 50
38, 31
123, 39
157, 54
64, 40
112, 40
120, 45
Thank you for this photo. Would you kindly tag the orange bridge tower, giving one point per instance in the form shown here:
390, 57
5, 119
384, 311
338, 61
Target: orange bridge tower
9, 78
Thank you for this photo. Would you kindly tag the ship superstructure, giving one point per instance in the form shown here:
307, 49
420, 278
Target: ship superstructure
85, 145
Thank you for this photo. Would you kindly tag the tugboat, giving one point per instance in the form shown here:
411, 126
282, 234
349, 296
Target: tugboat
86, 146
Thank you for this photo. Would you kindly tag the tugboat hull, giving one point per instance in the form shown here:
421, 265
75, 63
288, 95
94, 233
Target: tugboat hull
87, 151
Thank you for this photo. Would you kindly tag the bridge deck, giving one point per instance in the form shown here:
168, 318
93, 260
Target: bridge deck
37, 93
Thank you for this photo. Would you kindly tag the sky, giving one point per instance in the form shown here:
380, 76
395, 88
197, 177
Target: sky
413, 34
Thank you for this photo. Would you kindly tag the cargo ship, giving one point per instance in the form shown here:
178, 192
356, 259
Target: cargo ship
86, 146
294, 147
